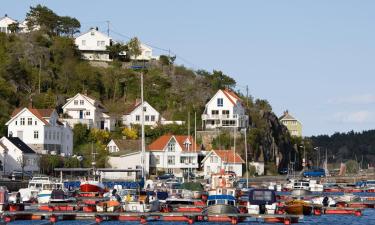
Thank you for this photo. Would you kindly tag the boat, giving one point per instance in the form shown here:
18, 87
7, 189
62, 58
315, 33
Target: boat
300, 193
323, 201
261, 201
91, 186
139, 201
221, 204
108, 206
298, 207
60, 196
305, 184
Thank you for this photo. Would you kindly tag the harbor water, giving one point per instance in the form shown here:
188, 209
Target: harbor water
368, 218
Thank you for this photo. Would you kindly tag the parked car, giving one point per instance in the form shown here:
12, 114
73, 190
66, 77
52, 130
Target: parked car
315, 172
17, 175
165, 176
283, 171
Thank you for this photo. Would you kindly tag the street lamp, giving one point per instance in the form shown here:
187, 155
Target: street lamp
317, 156
304, 156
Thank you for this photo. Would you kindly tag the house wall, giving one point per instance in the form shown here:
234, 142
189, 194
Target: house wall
93, 45
11, 160
259, 166
294, 127
146, 53
150, 111
213, 164
4, 23
52, 137
130, 161
159, 160
112, 147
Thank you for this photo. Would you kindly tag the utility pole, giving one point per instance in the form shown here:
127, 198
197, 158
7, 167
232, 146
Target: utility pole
143, 129
247, 95
247, 164
107, 28
188, 173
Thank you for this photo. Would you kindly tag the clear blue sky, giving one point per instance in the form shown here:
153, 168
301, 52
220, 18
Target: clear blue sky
315, 58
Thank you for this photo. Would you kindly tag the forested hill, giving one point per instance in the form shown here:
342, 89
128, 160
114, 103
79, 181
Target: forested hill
348, 146
45, 66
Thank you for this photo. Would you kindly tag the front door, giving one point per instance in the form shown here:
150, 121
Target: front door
81, 114
102, 125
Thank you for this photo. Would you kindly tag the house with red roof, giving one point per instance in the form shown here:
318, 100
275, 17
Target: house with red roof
228, 160
176, 154
225, 109
42, 130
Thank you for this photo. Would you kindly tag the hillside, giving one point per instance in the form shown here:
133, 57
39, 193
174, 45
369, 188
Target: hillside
46, 67
359, 146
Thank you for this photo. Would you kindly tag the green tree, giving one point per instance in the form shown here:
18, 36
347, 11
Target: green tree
80, 134
68, 26
117, 50
352, 166
134, 47
14, 27
43, 17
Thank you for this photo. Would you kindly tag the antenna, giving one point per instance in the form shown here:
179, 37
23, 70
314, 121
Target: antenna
107, 27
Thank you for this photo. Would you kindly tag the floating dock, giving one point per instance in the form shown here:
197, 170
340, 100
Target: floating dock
143, 218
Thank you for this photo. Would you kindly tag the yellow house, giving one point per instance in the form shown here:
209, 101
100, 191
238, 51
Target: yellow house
293, 125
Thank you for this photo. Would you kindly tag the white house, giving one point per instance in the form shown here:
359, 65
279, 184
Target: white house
151, 116
5, 22
14, 154
228, 160
146, 53
225, 109
86, 110
123, 145
175, 154
126, 154
259, 167
41, 130
93, 45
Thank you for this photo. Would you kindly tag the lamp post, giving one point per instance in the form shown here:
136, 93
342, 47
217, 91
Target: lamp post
317, 156
304, 156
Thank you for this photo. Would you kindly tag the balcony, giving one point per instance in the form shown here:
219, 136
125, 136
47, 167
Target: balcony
72, 122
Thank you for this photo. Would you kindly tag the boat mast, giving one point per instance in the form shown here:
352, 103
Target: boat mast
188, 169
247, 170
195, 136
93, 162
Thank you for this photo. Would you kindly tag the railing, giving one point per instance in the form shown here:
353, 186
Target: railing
223, 117
72, 122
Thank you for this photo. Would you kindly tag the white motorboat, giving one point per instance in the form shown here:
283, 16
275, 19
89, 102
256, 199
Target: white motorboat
262, 201
304, 184
39, 188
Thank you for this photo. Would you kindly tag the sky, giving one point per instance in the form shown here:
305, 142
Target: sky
314, 58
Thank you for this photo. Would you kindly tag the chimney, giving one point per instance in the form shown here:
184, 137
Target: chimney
6, 15
96, 28
286, 112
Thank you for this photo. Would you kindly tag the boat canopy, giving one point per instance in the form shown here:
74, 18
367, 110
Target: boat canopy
262, 196
216, 197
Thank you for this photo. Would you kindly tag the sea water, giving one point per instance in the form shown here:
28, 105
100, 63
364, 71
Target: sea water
368, 218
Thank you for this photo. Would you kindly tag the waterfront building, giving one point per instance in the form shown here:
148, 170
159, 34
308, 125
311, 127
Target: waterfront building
294, 126
216, 160
86, 110
224, 110
42, 130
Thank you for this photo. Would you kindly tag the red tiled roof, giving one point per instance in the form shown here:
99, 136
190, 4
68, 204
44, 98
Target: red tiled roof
161, 142
228, 156
132, 108
39, 113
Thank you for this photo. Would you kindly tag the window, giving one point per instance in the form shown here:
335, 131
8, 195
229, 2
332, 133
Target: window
171, 160
100, 43
58, 135
87, 113
84, 42
75, 102
137, 118
45, 135
36, 134
219, 102
144, 108
81, 102
22, 121
213, 159
157, 159
129, 173
152, 118
225, 113
35, 122
29, 121
49, 135
147, 118
171, 146
92, 33
215, 112
16, 122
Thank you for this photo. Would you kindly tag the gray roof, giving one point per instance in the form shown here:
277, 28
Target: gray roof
21, 145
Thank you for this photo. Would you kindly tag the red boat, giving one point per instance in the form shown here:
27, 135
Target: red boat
91, 186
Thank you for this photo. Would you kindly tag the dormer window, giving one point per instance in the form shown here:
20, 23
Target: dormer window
29, 121
172, 146
220, 102
22, 121
81, 102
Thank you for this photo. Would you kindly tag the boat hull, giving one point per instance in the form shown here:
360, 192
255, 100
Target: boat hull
91, 187
221, 209
298, 209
